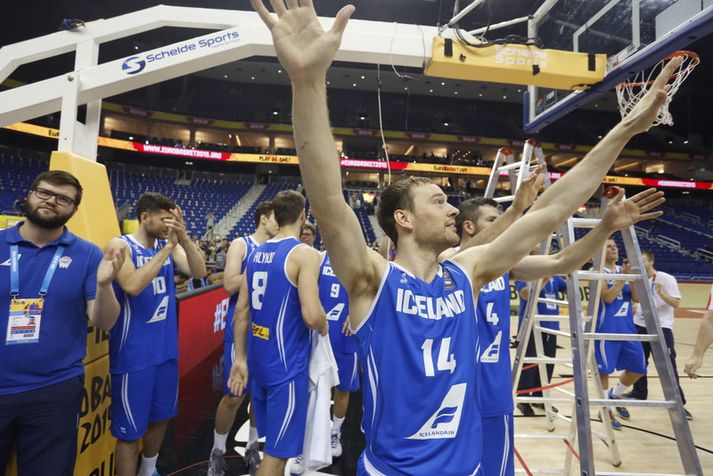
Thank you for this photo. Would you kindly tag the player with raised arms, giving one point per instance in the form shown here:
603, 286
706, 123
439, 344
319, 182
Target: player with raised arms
414, 319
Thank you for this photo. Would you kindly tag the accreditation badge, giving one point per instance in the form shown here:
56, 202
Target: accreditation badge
23, 325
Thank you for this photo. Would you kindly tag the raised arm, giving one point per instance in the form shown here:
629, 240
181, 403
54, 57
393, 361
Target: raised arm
561, 200
104, 309
134, 280
187, 256
620, 214
305, 50
524, 198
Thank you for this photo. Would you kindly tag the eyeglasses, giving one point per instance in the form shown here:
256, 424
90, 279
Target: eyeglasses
61, 200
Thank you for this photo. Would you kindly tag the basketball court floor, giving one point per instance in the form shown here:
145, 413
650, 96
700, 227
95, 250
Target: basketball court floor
645, 443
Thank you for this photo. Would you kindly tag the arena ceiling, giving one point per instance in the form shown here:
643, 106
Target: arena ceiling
30, 19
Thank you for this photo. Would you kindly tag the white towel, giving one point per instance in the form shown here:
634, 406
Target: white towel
323, 375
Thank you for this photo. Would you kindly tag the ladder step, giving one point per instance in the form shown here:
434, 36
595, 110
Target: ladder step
621, 337
585, 222
507, 198
594, 276
605, 402
557, 302
553, 332
550, 317
566, 401
565, 391
562, 417
515, 165
545, 360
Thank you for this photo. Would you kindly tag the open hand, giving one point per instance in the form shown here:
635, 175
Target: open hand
238, 380
529, 189
644, 113
304, 49
110, 265
622, 213
692, 366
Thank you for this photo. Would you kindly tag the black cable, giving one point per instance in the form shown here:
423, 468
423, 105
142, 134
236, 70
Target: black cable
509, 39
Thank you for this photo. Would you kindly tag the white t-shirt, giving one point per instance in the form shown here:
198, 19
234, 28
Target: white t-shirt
663, 310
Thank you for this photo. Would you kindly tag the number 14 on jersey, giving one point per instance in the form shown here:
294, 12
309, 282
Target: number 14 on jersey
446, 361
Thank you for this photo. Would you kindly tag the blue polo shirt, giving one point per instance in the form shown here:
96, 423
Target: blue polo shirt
63, 331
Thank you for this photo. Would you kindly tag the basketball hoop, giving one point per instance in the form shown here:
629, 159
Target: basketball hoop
630, 93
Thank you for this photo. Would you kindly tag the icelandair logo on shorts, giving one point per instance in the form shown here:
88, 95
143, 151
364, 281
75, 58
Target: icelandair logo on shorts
445, 421
136, 64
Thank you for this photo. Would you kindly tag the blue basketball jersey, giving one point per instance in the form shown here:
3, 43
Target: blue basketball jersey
418, 346
279, 341
146, 332
250, 246
494, 324
550, 290
617, 316
335, 302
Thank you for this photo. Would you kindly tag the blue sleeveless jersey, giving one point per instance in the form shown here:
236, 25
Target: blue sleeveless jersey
494, 321
617, 316
146, 332
335, 302
418, 346
551, 289
279, 341
250, 246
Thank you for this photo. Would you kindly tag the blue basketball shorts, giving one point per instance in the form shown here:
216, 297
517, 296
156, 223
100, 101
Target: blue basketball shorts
281, 415
498, 457
140, 397
619, 355
348, 367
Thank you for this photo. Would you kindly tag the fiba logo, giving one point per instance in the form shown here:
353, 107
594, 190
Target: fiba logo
133, 65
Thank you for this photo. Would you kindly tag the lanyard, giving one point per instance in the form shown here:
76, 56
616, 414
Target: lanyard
15, 271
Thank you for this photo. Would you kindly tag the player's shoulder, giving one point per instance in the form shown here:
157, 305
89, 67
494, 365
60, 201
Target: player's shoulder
302, 252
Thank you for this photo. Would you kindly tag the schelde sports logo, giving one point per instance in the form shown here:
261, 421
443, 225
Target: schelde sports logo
136, 64
133, 65
444, 421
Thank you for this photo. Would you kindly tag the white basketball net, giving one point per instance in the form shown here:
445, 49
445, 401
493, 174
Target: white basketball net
630, 93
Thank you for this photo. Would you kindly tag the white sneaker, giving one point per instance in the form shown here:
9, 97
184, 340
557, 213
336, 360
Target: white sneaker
298, 465
336, 445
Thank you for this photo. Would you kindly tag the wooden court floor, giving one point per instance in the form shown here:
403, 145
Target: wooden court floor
646, 443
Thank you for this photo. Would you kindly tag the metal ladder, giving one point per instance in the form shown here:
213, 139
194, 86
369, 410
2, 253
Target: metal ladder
582, 360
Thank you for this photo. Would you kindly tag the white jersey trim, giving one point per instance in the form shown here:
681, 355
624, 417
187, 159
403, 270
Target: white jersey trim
370, 469
506, 445
287, 258
472, 288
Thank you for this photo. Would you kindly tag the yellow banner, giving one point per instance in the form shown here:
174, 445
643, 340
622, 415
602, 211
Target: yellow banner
265, 159
95, 445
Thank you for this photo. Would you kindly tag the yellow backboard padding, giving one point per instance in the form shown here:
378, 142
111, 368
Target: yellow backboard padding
95, 219
513, 64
